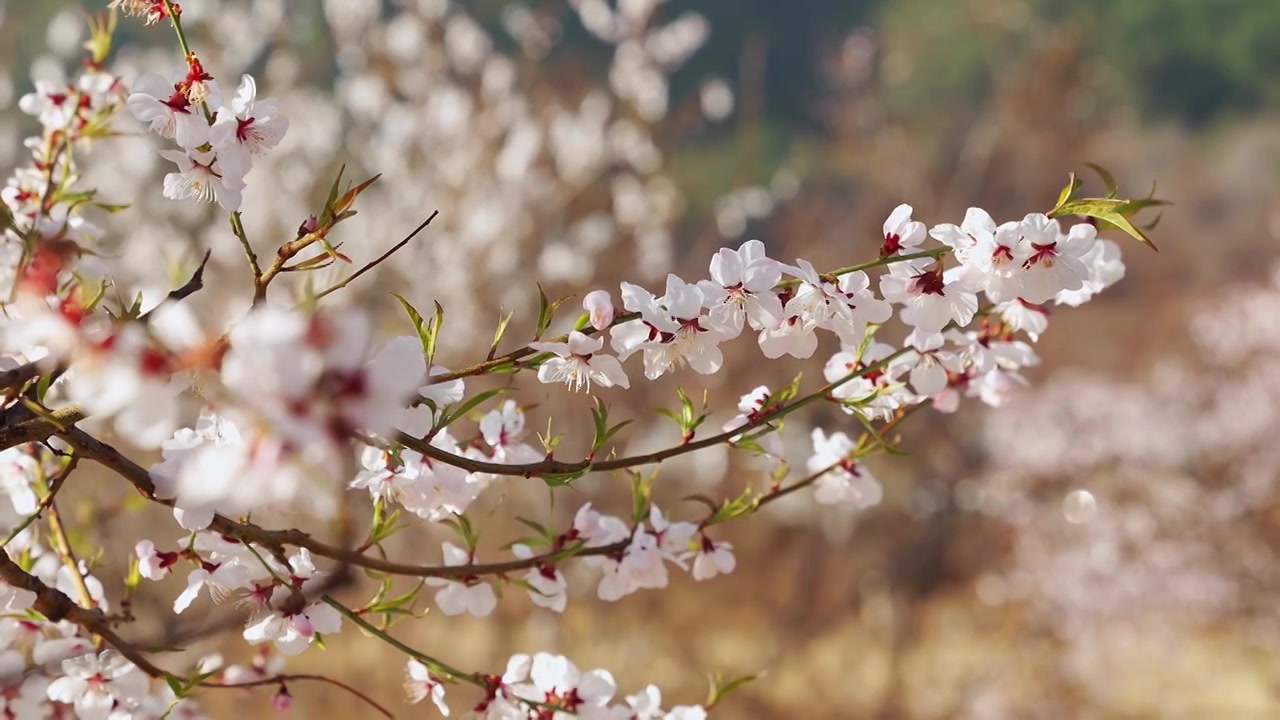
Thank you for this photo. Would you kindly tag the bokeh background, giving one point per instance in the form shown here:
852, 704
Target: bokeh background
1104, 547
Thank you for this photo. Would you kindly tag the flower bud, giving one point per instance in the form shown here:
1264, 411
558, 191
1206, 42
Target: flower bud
282, 701
308, 226
600, 306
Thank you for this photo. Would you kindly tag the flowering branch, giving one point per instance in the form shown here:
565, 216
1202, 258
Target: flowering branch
305, 410
556, 467
379, 260
54, 605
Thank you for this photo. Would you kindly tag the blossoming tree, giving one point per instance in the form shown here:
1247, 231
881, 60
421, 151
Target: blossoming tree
301, 412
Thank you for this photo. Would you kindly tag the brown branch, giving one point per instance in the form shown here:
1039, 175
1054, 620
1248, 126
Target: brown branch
189, 288
14, 378
56, 606
282, 679
276, 540
22, 426
104, 454
380, 259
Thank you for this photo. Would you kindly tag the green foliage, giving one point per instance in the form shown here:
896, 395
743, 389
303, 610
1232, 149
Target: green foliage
1191, 59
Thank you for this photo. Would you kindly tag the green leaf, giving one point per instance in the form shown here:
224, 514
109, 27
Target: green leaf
497, 335
427, 331
326, 214
450, 416
531, 542
562, 479
462, 526
396, 605
1073, 184
110, 207
101, 27
344, 203
435, 326
547, 311
536, 527
550, 441
174, 684
874, 432
195, 681
744, 504
782, 396
603, 432
1108, 180
134, 578
567, 552
1110, 211
641, 494
388, 527
719, 691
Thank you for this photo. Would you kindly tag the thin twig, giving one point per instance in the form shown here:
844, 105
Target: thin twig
380, 259
62, 546
237, 227
189, 288
54, 487
282, 679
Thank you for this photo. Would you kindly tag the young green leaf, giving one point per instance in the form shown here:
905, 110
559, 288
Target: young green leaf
641, 494
719, 690
1110, 211
326, 214
497, 335
451, 415
1108, 180
546, 311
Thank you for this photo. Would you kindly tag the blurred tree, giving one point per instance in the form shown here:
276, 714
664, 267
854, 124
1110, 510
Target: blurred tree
1192, 59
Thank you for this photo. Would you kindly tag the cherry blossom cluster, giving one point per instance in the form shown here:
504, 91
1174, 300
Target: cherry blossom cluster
554, 180
556, 688
216, 148
300, 406
47, 232
1019, 266
273, 593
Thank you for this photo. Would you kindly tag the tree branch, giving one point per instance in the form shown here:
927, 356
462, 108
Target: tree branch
56, 606
379, 260
558, 467
282, 679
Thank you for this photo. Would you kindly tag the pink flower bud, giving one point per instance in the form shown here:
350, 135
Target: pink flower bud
282, 701
600, 306
308, 226
303, 625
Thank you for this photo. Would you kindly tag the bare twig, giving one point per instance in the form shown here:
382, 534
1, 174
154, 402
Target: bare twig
379, 260
283, 679
190, 287
54, 487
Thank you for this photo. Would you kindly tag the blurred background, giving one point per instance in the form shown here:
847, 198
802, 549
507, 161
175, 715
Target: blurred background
1104, 547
